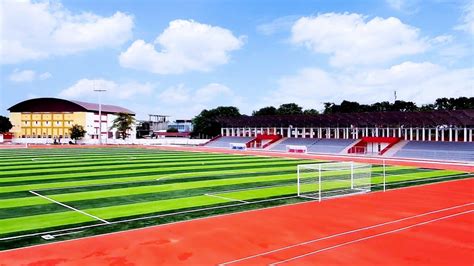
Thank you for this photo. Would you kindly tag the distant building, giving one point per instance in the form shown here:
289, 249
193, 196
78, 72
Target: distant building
53, 117
182, 125
155, 123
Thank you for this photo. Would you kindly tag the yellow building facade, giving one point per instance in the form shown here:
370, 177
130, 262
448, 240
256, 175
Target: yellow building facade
45, 124
53, 118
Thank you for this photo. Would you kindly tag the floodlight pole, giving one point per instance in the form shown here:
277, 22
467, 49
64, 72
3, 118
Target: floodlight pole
100, 113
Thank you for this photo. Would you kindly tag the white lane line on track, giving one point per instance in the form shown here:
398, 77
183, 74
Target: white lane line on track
370, 237
344, 233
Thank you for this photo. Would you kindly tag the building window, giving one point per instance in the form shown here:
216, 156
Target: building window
36, 122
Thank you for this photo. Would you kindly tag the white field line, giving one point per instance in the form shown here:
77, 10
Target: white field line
346, 233
69, 207
224, 198
372, 236
68, 233
160, 216
254, 188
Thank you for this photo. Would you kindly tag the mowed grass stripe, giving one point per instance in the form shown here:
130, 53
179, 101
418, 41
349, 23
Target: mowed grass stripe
161, 195
122, 192
180, 177
67, 160
130, 166
95, 184
157, 171
77, 152
122, 161
135, 198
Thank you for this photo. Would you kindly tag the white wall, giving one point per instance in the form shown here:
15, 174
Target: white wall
162, 141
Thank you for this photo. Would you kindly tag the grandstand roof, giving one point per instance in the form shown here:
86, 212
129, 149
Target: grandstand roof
61, 105
463, 118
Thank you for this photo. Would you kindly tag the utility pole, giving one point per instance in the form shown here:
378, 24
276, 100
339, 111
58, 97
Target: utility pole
100, 112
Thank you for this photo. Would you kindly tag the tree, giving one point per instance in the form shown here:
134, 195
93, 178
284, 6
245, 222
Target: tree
77, 132
172, 130
403, 106
5, 124
269, 110
311, 112
123, 123
290, 109
206, 123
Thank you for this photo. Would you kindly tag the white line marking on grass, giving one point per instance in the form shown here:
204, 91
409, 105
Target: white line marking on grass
372, 236
225, 198
69, 207
345, 233
160, 216
68, 233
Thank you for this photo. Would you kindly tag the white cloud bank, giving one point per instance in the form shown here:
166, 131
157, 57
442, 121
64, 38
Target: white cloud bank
84, 89
36, 30
186, 45
28, 76
418, 82
352, 39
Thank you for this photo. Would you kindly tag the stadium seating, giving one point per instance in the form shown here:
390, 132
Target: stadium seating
224, 142
330, 145
453, 151
315, 145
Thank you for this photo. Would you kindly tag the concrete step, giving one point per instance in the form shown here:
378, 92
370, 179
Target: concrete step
395, 148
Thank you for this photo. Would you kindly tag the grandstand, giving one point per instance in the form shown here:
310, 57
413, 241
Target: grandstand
441, 135
225, 142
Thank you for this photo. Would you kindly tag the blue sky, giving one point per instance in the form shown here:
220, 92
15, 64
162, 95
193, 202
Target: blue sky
178, 57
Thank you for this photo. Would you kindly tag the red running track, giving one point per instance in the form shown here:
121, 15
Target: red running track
429, 224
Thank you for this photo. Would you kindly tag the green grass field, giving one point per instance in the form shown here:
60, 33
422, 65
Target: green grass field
127, 186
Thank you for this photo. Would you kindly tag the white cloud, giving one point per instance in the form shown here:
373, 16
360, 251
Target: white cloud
352, 39
419, 82
28, 76
183, 102
35, 30
84, 89
45, 75
467, 18
409, 6
276, 25
184, 46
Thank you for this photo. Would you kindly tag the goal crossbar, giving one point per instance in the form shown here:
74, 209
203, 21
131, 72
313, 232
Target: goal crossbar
328, 180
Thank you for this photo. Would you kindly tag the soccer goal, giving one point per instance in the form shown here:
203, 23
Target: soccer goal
326, 180
296, 148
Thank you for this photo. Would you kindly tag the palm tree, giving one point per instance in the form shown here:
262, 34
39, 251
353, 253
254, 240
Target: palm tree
123, 123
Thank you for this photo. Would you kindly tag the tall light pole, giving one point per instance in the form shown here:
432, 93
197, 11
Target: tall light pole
100, 113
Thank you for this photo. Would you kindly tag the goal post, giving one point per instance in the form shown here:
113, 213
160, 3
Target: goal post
326, 180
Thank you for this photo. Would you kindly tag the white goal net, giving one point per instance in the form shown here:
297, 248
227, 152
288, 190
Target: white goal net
325, 180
